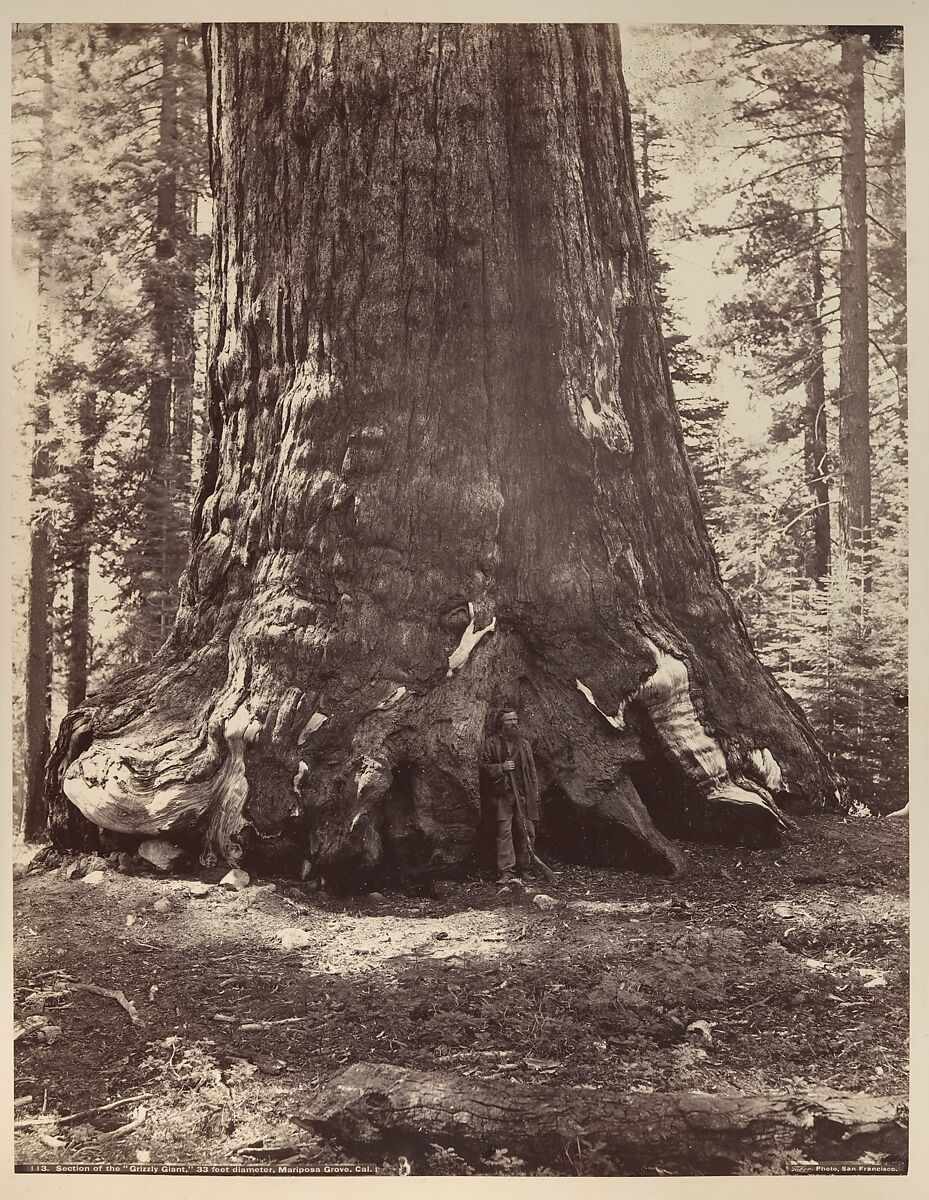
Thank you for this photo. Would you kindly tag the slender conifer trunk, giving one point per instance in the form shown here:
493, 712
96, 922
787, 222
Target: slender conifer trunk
36, 720
82, 540
854, 457
815, 440
158, 583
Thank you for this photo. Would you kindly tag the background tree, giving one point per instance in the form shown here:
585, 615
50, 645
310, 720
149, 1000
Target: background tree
86, 175
445, 473
785, 232
854, 356
170, 291
772, 185
34, 145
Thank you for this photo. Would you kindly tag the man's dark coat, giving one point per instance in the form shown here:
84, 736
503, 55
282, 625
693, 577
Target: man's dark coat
495, 754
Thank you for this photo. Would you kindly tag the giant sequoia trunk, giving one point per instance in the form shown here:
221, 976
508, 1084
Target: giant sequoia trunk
446, 475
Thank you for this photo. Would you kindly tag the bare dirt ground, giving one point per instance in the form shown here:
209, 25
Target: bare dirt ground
765, 972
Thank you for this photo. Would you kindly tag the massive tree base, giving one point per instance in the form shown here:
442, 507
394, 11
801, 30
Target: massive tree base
389, 787
376, 1107
446, 476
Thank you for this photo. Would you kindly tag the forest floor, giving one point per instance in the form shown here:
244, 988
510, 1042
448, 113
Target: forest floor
765, 972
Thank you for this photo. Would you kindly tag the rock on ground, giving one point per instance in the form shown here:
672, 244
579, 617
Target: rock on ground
84, 866
161, 853
294, 939
197, 890
236, 879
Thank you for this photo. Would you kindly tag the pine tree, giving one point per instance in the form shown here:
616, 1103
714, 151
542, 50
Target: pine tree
854, 473
36, 716
170, 294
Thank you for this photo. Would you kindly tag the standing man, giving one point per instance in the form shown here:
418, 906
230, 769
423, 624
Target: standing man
514, 786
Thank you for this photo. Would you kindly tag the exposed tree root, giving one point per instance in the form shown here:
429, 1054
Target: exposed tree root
387, 780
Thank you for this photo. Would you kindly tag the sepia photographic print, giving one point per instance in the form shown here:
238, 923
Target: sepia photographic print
458, 479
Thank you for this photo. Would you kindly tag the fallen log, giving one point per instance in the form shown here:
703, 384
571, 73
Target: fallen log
377, 1106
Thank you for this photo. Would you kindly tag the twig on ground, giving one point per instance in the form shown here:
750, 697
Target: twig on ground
119, 997
249, 1025
22, 1100
87, 1112
755, 1003
136, 1121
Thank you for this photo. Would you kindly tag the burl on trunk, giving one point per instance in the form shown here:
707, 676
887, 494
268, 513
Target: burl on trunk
446, 475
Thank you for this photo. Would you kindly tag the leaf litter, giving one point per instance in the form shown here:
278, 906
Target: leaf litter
630, 984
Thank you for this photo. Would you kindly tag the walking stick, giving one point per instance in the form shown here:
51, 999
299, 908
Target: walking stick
547, 873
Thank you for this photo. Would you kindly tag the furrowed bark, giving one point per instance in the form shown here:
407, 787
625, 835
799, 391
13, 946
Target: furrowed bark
374, 1106
446, 475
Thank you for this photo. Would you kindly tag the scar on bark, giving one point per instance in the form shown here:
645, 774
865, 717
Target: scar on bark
665, 697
